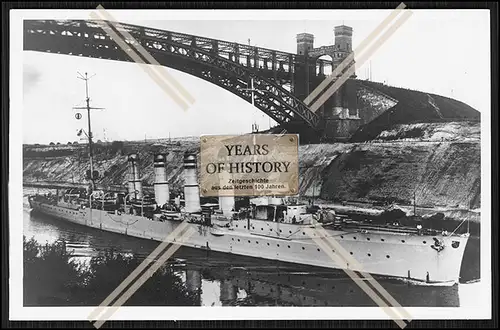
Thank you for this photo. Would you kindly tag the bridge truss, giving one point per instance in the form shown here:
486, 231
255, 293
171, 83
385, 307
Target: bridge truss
226, 64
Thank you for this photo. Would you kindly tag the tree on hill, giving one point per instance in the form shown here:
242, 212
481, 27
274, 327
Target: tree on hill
52, 144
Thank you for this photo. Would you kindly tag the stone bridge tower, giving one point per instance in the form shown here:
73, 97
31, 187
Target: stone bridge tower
340, 113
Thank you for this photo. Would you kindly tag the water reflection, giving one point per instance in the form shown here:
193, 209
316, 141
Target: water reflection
282, 287
227, 280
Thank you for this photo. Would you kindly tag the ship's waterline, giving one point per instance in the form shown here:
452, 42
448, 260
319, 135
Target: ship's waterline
253, 281
270, 228
418, 257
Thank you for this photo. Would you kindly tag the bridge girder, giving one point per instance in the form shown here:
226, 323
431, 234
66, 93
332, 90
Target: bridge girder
184, 53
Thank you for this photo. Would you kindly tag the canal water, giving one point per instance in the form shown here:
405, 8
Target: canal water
227, 280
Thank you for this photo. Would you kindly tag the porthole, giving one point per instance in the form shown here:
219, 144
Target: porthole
236, 226
319, 250
261, 228
341, 236
424, 242
288, 246
383, 240
256, 242
351, 253
270, 229
303, 248
354, 237
403, 241
290, 231
248, 241
303, 233
387, 256
267, 244
245, 227
368, 238
281, 231
277, 245
369, 254
238, 239
232, 238
303, 282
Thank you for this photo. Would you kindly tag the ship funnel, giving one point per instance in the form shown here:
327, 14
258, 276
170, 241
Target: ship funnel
162, 193
275, 200
226, 205
191, 189
134, 179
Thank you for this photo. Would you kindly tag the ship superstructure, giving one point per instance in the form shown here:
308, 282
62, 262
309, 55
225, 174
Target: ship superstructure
268, 227
271, 228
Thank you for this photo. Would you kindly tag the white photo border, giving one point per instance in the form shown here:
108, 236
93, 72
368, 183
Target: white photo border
18, 312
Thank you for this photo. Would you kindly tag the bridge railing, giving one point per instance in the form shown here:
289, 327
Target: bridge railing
278, 60
87, 38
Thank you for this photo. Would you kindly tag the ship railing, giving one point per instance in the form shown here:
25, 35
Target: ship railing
394, 229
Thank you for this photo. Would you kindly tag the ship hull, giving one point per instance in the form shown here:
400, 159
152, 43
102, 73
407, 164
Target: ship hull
399, 255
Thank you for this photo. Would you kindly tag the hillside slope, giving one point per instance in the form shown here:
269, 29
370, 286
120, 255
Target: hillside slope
440, 174
409, 106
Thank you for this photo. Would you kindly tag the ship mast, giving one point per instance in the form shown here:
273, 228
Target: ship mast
86, 78
255, 126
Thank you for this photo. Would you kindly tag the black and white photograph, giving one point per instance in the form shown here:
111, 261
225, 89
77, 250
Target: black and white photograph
361, 175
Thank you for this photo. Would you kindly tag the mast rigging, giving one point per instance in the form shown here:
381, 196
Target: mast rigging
86, 78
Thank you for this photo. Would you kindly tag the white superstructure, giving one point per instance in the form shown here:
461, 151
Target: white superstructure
380, 251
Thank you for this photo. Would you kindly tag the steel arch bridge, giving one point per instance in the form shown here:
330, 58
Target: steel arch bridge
226, 64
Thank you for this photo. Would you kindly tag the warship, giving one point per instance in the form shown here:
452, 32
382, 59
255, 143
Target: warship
269, 227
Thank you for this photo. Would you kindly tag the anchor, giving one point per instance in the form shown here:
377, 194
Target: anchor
438, 245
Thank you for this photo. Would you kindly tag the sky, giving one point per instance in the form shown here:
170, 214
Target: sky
445, 52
